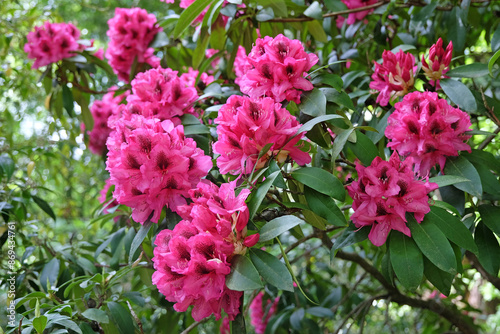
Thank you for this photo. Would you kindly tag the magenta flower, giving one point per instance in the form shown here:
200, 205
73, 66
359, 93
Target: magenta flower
192, 261
190, 78
438, 63
278, 68
131, 31
224, 327
241, 65
153, 165
52, 42
394, 77
384, 193
428, 129
358, 16
260, 314
246, 125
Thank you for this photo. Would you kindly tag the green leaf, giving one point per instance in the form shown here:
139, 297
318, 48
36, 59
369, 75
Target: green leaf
160, 40
332, 80
68, 100
188, 15
277, 226
320, 180
433, 244
265, 14
96, 315
49, 273
316, 120
258, 195
198, 129
278, 6
459, 93
351, 235
446, 180
488, 249
7, 165
317, 31
340, 98
425, 12
243, 276
87, 117
452, 227
492, 61
474, 70
406, 260
39, 323
272, 270
456, 30
313, 103
139, 238
495, 39
325, 207
490, 215
68, 324
340, 140
201, 47
364, 149
463, 168
44, 206
121, 317
440, 279
314, 11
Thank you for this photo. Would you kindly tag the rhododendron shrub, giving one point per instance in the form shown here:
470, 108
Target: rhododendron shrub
193, 260
427, 129
384, 193
246, 126
260, 313
153, 165
438, 62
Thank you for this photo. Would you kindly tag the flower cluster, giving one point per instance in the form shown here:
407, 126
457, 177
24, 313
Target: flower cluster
428, 129
52, 42
438, 63
193, 260
260, 315
384, 193
101, 111
278, 68
153, 165
246, 125
358, 16
131, 31
162, 94
394, 77
241, 64
191, 75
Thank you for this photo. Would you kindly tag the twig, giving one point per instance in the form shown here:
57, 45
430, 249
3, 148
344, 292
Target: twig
194, 325
136, 318
488, 140
495, 281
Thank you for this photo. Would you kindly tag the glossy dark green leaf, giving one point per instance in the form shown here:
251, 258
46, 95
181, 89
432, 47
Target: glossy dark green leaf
258, 195
50, 273
313, 103
96, 315
340, 98
440, 279
490, 215
325, 207
341, 136
488, 247
272, 270
462, 167
319, 311
68, 101
474, 70
459, 93
320, 180
188, 15
7, 165
492, 61
406, 259
425, 12
44, 206
456, 29
330, 79
278, 6
277, 226
446, 180
244, 276
316, 120
139, 238
495, 39
351, 235
201, 47
364, 149
316, 30
121, 317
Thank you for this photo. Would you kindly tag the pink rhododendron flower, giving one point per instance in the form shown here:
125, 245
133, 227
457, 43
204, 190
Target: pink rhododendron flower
438, 63
241, 64
52, 42
384, 193
358, 16
260, 314
224, 327
193, 260
190, 78
394, 77
162, 94
278, 68
131, 31
153, 165
428, 129
246, 125
101, 111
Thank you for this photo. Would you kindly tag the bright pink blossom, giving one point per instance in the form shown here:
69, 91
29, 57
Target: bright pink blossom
358, 16
260, 314
241, 64
131, 31
278, 68
190, 78
438, 63
52, 42
428, 129
384, 193
246, 126
394, 77
193, 260
152, 165
224, 327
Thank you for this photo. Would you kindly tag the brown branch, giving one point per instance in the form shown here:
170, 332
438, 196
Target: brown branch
488, 140
474, 262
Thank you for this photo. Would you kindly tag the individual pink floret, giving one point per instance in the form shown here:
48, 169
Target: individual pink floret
246, 125
428, 129
278, 68
153, 165
384, 193
394, 77
131, 31
438, 62
260, 314
52, 42
241, 64
358, 16
192, 261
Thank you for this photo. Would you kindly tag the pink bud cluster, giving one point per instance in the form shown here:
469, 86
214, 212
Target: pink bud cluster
246, 125
358, 16
101, 111
153, 165
52, 42
384, 193
394, 77
438, 62
278, 68
193, 260
131, 31
428, 129
260, 314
